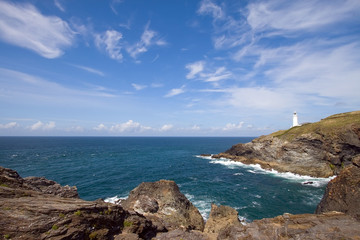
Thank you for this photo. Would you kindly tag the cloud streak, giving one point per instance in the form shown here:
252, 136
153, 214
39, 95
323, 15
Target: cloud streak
24, 26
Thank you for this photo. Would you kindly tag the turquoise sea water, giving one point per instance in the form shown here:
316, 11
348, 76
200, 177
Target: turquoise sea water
110, 167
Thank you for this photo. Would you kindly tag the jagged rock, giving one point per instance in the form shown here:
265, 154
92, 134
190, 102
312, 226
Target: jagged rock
221, 217
343, 192
44, 185
182, 234
33, 212
318, 149
164, 204
331, 225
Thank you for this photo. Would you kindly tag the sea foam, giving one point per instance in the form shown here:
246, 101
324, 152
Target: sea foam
257, 169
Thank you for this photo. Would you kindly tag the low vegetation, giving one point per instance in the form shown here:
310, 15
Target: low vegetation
328, 127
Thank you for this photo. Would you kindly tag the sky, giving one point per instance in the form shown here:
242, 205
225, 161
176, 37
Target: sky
175, 68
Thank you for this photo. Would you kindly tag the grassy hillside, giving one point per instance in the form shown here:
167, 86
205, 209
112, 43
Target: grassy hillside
327, 127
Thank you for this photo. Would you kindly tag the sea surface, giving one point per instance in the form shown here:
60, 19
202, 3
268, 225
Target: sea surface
110, 167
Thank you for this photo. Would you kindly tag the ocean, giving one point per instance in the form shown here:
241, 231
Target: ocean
110, 167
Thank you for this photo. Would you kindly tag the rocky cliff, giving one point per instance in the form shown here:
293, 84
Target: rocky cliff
320, 149
36, 208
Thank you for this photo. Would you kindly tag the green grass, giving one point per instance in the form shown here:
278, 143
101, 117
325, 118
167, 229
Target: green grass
78, 213
327, 127
55, 227
127, 223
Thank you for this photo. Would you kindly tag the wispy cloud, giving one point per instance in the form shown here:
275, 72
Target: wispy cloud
138, 87
148, 38
198, 70
59, 5
18, 86
24, 26
9, 125
90, 70
194, 69
209, 7
175, 91
110, 41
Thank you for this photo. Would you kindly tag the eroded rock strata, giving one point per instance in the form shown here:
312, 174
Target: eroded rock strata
320, 149
37, 209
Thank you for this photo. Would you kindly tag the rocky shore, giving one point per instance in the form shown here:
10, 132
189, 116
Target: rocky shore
320, 149
37, 208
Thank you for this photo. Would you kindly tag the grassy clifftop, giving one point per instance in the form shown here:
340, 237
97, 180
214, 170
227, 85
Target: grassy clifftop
328, 127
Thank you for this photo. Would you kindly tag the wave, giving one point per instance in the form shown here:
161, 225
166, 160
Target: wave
257, 169
204, 206
114, 199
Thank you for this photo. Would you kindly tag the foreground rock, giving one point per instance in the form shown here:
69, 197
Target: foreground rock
34, 208
331, 225
319, 149
40, 212
165, 205
343, 192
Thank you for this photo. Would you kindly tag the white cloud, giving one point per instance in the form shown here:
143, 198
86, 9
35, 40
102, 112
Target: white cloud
138, 87
9, 125
166, 127
100, 127
233, 126
43, 126
220, 74
299, 15
148, 38
110, 41
197, 70
90, 70
129, 126
209, 7
24, 26
59, 5
194, 68
175, 91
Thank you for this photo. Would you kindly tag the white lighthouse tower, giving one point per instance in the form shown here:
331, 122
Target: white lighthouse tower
295, 120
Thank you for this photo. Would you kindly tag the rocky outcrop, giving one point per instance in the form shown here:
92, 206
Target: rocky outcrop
40, 211
165, 205
343, 192
220, 218
31, 209
331, 225
319, 149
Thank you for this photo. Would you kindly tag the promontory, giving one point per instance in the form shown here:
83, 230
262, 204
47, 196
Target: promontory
319, 149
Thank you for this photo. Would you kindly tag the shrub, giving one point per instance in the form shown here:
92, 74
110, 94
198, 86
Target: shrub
78, 213
55, 227
127, 223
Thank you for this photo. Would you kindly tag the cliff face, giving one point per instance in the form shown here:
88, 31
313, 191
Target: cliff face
342, 194
35, 208
320, 149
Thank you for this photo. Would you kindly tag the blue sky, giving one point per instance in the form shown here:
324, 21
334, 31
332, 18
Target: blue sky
175, 68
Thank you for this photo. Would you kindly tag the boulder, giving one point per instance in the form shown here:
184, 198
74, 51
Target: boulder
164, 204
221, 217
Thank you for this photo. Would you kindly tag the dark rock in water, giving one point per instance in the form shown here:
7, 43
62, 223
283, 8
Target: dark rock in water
205, 155
306, 183
318, 149
342, 194
165, 205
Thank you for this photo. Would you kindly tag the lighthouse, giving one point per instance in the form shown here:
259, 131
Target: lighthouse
295, 120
